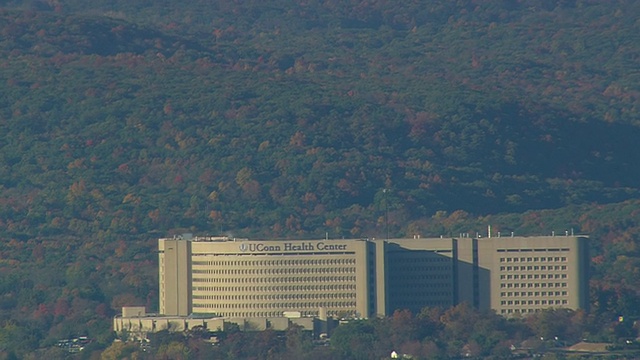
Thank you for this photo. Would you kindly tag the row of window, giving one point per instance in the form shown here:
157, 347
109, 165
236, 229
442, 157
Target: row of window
533, 302
532, 276
289, 287
532, 285
296, 288
275, 280
533, 268
267, 314
241, 297
535, 259
280, 271
280, 262
533, 293
283, 306
521, 311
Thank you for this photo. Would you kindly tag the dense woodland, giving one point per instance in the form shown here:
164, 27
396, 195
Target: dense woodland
124, 121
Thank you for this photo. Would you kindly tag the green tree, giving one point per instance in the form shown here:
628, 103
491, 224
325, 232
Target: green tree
356, 340
173, 351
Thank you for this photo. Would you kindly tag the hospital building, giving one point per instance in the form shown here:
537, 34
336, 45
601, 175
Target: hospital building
362, 278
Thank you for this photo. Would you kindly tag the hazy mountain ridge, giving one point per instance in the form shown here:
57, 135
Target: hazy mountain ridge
483, 149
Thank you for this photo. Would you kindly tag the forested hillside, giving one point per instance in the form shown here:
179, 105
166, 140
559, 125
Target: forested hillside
123, 121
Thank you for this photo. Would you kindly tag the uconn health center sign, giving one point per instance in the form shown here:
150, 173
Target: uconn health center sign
287, 246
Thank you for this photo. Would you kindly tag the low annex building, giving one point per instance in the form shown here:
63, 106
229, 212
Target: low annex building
135, 321
240, 278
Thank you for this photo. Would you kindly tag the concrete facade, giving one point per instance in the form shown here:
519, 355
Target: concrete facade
174, 264
216, 276
526, 275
